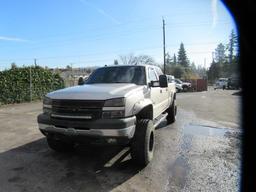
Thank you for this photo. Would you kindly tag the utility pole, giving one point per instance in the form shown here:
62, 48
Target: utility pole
164, 46
30, 81
72, 75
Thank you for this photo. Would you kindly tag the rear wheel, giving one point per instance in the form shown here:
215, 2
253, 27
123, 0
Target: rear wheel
142, 145
172, 110
59, 145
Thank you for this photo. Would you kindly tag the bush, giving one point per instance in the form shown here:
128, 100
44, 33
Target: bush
15, 84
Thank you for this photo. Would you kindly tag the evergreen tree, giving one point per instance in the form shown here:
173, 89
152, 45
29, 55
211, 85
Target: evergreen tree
182, 56
174, 60
232, 46
178, 71
168, 59
220, 53
214, 71
193, 67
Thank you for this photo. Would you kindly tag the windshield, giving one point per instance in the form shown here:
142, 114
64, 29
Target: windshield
124, 74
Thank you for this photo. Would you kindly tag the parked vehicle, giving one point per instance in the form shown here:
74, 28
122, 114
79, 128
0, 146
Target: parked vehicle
221, 83
179, 87
116, 105
184, 85
233, 83
171, 79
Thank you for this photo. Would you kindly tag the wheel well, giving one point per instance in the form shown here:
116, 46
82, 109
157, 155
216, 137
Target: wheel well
146, 113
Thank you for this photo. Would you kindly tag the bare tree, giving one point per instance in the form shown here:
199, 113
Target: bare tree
136, 60
145, 59
13, 65
115, 62
128, 59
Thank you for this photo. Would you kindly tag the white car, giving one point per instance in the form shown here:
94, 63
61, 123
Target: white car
178, 87
184, 85
221, 83
171, 79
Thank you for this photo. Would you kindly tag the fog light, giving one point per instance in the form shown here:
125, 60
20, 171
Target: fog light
111, 141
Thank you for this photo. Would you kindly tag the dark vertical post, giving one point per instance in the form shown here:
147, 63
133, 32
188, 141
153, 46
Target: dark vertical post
164, 46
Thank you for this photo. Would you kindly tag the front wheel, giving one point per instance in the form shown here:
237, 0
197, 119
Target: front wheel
142, 145
172, 111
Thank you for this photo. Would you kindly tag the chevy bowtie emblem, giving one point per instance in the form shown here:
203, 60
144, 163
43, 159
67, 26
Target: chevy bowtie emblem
75, 109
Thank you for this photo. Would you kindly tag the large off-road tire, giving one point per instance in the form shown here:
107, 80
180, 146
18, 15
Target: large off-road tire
59, 145
142, 145
172, 111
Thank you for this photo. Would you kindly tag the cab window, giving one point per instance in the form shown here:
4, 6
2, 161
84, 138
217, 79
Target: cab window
152, 75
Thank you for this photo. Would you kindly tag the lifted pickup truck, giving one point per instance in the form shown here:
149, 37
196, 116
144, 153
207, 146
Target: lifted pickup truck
115, 105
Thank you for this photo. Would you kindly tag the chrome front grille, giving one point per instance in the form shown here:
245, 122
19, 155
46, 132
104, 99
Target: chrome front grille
77, 109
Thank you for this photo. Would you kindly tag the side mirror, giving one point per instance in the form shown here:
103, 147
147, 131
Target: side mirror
80, 81
163, 82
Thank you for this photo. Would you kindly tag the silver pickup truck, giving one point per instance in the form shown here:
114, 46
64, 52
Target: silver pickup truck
116, 105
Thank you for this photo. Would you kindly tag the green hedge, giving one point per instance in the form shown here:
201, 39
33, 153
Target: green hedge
15, 84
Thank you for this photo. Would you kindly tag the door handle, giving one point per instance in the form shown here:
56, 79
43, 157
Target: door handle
161, 91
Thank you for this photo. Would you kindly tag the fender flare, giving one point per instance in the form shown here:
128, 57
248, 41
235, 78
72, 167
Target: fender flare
140, 105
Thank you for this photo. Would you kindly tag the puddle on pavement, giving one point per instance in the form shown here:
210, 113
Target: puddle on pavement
204, 130
179, 171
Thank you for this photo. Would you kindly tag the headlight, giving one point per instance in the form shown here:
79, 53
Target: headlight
118, 102
113, 114
47, 105
114, 108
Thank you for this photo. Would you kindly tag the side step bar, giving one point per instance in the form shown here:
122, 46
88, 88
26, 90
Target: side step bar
159, 119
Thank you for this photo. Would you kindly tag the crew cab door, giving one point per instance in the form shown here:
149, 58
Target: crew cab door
158, 95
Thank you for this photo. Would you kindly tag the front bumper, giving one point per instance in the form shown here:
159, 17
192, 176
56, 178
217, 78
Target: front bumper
112, 128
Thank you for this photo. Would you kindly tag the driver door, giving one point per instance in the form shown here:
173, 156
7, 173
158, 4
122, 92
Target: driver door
155, 93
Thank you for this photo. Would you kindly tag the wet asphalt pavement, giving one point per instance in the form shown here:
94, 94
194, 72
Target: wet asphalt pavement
199, 152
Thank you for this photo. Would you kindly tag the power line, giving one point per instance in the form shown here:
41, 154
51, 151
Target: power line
120, 34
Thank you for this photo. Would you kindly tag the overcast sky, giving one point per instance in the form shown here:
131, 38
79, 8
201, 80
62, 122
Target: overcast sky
95, 32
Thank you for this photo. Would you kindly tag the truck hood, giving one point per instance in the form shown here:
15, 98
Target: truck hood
96, 91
